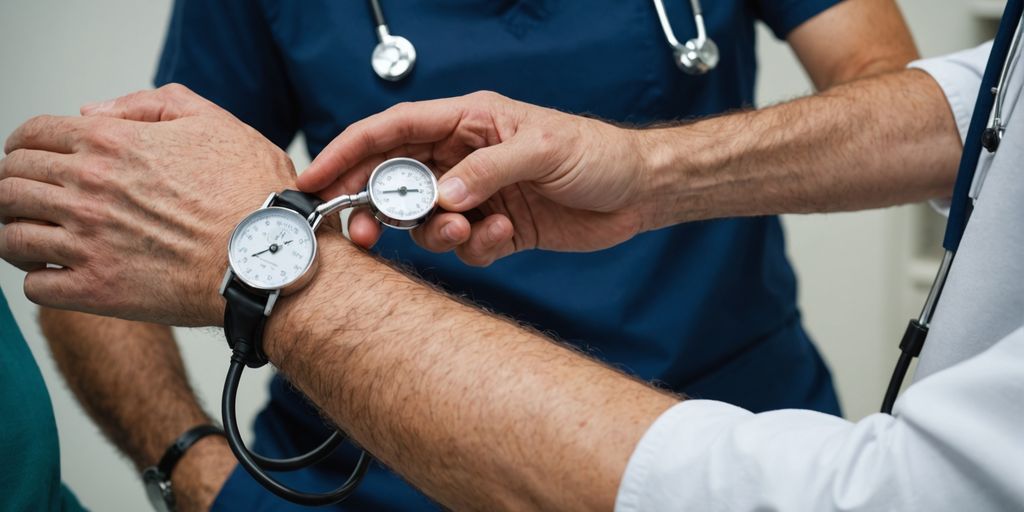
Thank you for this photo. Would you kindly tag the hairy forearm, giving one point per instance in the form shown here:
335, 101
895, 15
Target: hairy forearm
877, 142
474, 410
130, 378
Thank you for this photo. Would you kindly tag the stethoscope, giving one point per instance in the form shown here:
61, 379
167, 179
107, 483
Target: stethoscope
985, 134
394, 56
700, 54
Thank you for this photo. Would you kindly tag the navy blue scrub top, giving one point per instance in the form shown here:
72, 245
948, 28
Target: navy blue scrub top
707, 308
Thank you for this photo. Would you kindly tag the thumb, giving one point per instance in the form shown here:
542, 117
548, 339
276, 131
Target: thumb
172, 101
486, 171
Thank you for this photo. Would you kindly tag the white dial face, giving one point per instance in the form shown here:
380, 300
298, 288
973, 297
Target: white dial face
272, 248
403, 189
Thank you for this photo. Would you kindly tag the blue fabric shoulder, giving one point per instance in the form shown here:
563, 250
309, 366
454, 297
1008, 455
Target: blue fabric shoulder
225, 52
782, 16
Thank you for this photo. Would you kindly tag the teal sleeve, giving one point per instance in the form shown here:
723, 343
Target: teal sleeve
30, 476
69, 503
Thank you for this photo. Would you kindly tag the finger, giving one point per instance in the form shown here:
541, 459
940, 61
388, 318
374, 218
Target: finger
52, 287
490, 240
170, 102
353, 180
443, 232
36, 244
363, 229
405, 123
33, 164
48, 133
486, 171
28, 199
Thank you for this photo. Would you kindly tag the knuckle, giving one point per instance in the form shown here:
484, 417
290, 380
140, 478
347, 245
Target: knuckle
486, 96
401, 106
477, 168
8, 193
133, 97
90, 215
174, 90
35, 126
103, 136
400, 110
93, 177
14, 160
13, 241
38, 121
52, 171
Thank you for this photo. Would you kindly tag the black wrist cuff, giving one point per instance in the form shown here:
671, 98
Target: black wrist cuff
245, 314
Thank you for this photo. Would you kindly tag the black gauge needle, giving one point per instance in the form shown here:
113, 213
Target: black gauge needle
272, 248
400, 191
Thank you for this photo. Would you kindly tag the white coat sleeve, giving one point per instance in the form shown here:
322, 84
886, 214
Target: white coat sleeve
955, 443
959, 75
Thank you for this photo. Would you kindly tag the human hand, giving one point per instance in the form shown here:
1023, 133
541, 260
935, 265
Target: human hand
135, 200
540, 178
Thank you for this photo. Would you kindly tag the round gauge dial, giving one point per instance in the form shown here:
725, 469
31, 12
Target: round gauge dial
403, 192
272, 248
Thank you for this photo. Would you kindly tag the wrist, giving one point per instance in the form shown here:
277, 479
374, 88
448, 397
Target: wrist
657, 160
199, 476
676, 170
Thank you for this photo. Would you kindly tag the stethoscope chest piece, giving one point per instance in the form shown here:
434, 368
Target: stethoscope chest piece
393, 58
697, 56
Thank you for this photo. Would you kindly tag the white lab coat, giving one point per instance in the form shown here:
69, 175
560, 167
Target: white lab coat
956, 439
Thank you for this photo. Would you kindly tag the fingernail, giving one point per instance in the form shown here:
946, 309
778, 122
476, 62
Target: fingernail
448, 232
496, 233
97, 107
453, 191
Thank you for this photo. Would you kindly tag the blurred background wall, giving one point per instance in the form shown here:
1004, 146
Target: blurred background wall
861, 274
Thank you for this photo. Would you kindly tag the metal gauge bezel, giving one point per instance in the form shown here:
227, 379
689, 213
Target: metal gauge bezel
408, 223
302, 279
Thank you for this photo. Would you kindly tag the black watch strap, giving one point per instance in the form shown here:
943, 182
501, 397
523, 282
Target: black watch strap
181, 445
245, 313
299, 201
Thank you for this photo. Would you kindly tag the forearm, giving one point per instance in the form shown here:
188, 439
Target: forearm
131, 380
873, 143
472, 409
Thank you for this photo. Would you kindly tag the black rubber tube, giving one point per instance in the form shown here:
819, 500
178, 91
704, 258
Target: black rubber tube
302, 461
896, 381
247, 460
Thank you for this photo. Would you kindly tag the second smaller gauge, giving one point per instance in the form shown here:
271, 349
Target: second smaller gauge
403, 192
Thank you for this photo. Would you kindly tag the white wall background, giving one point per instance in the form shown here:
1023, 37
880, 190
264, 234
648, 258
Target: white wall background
56, 55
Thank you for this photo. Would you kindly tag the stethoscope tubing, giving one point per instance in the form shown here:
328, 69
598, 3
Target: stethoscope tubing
987, 116
695, 51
